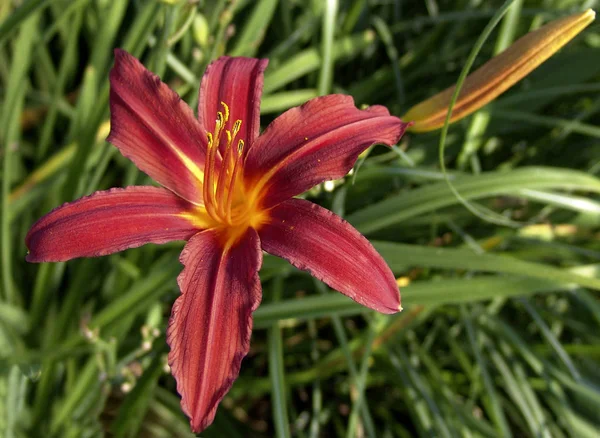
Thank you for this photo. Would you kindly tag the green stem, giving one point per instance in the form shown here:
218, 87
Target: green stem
326, 74
487, 216
276, 371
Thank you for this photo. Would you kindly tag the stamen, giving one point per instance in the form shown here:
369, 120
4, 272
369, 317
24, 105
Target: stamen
222, 185
236, 167
236, 127
219, 124
209, 168
219, 191
226, 110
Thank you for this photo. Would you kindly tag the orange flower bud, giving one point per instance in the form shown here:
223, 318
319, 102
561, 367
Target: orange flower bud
498, 74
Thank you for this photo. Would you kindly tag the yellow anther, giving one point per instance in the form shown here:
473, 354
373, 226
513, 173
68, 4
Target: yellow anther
240, 146
210, 139
226, 111
236, 127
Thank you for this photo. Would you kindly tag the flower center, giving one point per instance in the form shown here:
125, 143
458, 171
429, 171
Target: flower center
225, 200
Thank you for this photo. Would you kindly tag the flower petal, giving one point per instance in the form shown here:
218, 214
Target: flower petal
238, 82
316, 240
107, 222
315, 142
499, 73
210, 326
155, 129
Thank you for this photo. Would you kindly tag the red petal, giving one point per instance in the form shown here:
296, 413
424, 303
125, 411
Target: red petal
155, 129
316, 240
107, 222
315, 142
210, 326
238, 82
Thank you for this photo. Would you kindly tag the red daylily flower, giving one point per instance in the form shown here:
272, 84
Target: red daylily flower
229, 193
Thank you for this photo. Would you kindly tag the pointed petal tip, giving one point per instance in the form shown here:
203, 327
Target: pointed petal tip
382, 111
121, 56
119, 53
392, 304
32, 258
403, 127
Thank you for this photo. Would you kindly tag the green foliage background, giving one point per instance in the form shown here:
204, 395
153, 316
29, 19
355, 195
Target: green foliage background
500, 332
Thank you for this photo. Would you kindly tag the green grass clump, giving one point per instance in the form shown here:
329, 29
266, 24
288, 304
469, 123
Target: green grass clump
500, 332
